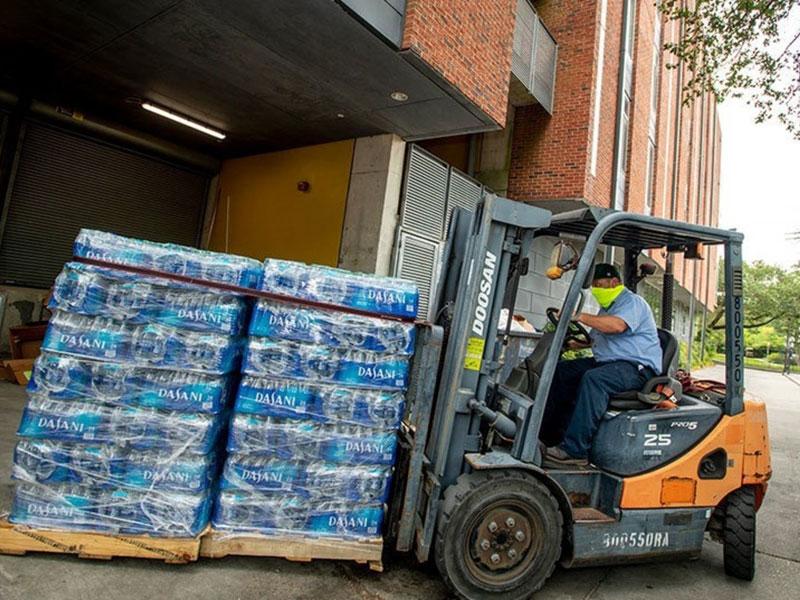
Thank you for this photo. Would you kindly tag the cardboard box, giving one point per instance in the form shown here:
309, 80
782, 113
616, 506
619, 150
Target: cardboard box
17, 370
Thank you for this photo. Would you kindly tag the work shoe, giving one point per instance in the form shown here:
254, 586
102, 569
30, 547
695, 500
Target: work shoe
557, 457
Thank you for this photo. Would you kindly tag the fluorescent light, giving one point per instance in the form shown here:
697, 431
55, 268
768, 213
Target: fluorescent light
168, 114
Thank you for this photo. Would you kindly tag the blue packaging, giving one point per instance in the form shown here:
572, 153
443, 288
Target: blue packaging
380, 409
57, 463
311, 441
369, 293
313, 480
140, 428
187, 472
111, 466
249, 512
63, 377
331, 328
292, 360
168, 258
94, 291
144, 345
114, 511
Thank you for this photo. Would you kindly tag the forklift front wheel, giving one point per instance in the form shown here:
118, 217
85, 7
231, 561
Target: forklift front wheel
499, 535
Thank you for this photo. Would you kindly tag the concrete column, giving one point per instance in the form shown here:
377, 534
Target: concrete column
494, 159
373, 200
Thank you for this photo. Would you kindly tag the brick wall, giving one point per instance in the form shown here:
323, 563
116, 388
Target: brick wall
469, 45
549, 154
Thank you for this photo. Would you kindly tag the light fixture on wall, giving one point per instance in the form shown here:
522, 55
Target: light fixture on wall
172, 116
399, 96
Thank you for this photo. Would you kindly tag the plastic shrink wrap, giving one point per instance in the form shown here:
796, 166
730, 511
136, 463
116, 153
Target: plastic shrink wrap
126, 403
313, 436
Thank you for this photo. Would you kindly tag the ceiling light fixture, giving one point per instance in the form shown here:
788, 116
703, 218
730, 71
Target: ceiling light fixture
399, 96
168, 114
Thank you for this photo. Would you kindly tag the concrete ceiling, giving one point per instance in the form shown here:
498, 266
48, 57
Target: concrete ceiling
271, 74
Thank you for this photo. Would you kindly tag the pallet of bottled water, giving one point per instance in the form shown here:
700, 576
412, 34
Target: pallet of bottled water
313, 435
128, 399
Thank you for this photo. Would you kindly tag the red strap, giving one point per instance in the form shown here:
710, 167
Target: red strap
226, 287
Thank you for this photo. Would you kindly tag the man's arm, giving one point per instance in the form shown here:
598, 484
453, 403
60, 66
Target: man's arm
608, 324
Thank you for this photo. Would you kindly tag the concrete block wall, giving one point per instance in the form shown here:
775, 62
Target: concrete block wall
537, 293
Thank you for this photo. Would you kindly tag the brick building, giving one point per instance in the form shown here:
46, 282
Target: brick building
344, 131
617, 136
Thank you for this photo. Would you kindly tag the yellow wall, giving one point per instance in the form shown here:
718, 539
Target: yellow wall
266, 215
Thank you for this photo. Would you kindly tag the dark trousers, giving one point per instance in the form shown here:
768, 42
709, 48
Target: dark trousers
579, 398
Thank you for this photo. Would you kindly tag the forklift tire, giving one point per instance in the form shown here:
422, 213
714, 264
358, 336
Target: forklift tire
498, 536
739, 534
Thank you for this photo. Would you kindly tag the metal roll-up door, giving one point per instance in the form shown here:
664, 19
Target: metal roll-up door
431, 190
65, 181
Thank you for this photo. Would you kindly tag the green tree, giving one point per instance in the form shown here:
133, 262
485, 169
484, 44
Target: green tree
740, 48
771, 308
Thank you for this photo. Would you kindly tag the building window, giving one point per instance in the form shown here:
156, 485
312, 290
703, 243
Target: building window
622, 138
622, 163
655, 89
598, 85
649, 191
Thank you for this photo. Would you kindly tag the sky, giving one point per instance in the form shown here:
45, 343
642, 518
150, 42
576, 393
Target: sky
760, 175
759, 184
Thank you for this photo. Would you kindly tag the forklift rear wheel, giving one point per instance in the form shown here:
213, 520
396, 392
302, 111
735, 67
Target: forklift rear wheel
739, 534
499, 535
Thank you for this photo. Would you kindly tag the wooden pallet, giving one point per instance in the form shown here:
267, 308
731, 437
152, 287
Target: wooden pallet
217, 544
19, 540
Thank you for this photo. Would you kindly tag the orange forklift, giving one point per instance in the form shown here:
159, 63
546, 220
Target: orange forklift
471, 491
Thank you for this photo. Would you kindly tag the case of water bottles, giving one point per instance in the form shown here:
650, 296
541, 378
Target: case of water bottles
127, 402
313, 435
203, 265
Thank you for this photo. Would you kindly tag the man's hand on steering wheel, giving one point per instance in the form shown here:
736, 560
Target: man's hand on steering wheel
575, 331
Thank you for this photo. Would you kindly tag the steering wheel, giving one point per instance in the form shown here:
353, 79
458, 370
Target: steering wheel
575, 331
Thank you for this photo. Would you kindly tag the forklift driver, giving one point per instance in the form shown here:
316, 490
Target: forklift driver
626, 353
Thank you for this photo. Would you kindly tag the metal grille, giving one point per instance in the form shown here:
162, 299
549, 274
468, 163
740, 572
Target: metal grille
463, 192
65, 181
432, 189
425, 197
417, 260
533, 61
521, 65
544, 68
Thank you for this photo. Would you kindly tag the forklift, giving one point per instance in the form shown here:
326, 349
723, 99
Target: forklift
471, 492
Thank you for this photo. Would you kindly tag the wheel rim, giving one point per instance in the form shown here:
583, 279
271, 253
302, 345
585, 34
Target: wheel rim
502, 543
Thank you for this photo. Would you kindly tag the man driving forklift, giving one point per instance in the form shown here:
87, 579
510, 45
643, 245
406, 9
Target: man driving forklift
626, 353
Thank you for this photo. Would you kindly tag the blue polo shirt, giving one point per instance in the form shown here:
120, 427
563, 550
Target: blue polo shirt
638, 343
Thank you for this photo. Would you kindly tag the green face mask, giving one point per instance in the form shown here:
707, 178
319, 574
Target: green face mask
606, 296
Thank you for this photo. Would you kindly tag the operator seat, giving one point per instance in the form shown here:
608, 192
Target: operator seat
669, 365
632, 438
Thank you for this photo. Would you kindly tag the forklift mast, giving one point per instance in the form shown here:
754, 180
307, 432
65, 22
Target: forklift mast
483, 262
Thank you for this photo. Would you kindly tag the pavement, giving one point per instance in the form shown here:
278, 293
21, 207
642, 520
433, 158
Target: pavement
50, 577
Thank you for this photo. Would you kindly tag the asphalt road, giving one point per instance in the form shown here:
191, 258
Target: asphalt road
47, 577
